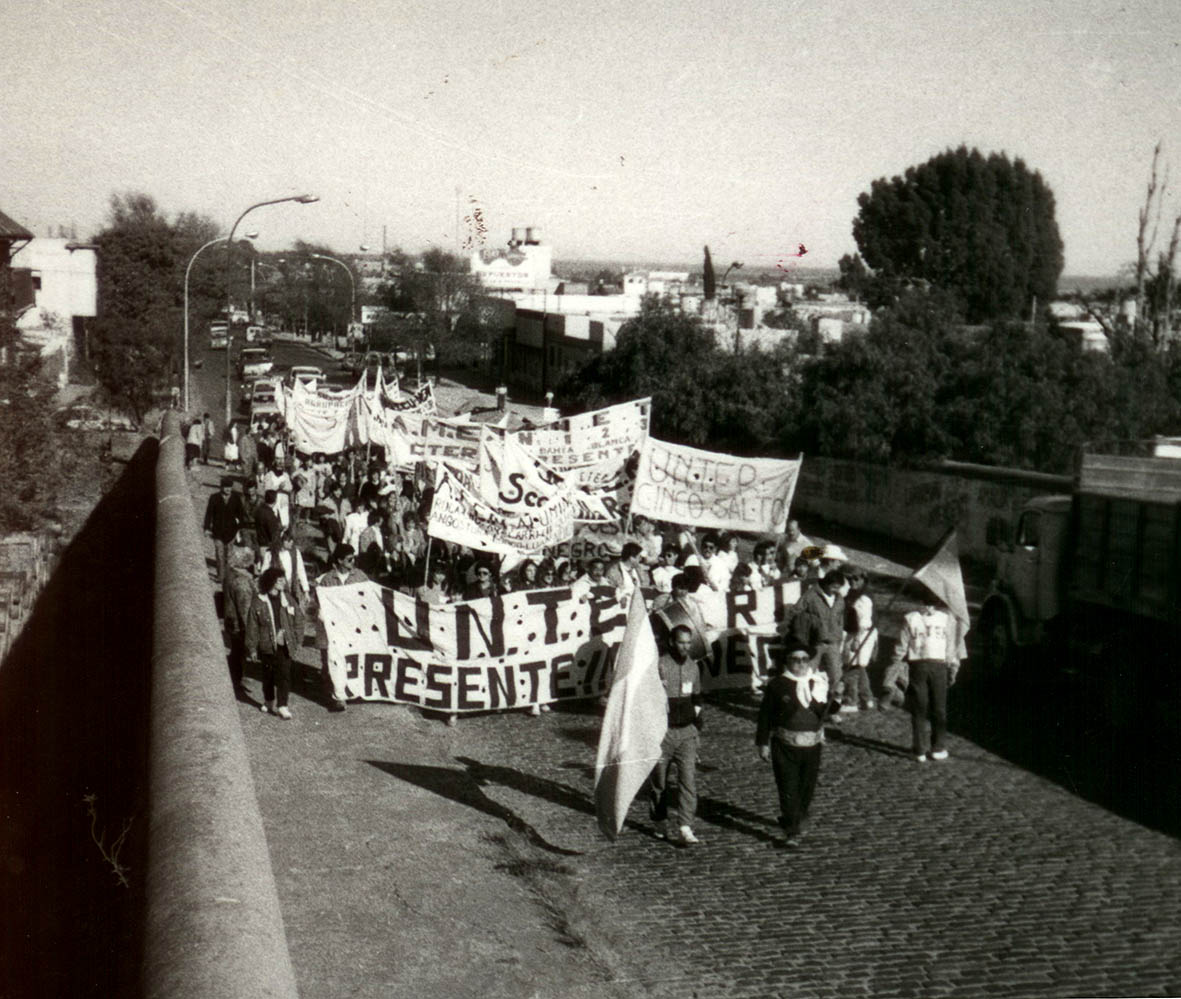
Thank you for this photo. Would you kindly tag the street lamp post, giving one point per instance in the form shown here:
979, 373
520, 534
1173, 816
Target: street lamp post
352, 281
303, 199
188, 271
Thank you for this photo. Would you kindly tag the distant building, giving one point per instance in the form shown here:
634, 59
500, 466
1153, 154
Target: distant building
525, 265
542, 347
13, 236
57, 286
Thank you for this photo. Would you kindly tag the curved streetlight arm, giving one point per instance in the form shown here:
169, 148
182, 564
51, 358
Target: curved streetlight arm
188, 271
303, 199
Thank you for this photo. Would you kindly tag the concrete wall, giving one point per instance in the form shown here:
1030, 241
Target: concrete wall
920, 506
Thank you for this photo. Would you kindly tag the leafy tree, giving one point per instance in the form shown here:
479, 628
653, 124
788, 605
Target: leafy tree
855, 276
28, 454
701, 395
982, 228
439, 310
142, 258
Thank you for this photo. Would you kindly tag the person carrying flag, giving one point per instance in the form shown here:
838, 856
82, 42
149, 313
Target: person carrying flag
932, 644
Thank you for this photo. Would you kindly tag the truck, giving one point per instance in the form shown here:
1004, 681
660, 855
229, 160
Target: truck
219, 336
1093, 579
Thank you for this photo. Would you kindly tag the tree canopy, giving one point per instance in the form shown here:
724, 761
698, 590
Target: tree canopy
142, 257
979, 227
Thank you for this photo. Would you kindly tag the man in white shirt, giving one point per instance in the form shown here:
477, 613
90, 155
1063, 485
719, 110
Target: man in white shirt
932, 645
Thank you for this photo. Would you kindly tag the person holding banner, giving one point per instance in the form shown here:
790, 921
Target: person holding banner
343, 573
682, 686
790, 734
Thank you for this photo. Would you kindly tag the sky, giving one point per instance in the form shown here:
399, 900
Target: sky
621, 129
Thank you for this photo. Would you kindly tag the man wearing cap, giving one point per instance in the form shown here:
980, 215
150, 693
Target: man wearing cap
682, 685
343, 573
224, 514
790, 734
819, 624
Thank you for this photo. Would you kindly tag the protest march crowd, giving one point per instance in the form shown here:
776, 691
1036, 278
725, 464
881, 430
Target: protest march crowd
462, 567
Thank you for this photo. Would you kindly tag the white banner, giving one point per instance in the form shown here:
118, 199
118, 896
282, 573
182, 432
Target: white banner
683, 485
322, 421
460, 515
520, 649
606, 435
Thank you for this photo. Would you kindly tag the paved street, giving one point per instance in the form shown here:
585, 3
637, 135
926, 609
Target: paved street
416, 859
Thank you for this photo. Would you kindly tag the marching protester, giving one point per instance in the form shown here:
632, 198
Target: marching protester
343, 573
624, 573
247, 531
334, 510
819, 624
224, 514
435, 590
546, 574
484, 586
371, 547
239, 592
682, 686
208, 432
790, 734
790, 546
271, 639
932, 647
194, 442
285, 556
526, 575
247, 454
766, 572
650, 542
666, 570
715, 563
267, 525
861, 642
277, 480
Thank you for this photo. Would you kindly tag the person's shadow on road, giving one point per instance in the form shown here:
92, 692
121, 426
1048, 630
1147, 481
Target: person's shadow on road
466, 788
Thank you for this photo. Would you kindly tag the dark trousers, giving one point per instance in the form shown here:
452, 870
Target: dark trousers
237, 658
796, 770
829, 660
927, 697
276, 677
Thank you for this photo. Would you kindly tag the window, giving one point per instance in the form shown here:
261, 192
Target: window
1029, 530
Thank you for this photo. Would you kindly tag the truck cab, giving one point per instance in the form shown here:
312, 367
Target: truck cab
1026, 591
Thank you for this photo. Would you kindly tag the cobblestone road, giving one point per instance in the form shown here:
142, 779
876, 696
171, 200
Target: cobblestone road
966, 877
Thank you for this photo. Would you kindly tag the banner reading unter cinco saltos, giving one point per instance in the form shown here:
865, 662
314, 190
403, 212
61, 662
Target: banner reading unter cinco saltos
686, 486
519, 649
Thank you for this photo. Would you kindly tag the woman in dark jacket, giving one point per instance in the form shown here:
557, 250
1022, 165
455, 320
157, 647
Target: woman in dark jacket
272, 639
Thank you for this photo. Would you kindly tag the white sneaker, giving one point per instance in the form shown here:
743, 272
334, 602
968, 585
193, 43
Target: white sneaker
284, 713
920, 758
535, 711
686, 837
939, 754
847, 709
268, 708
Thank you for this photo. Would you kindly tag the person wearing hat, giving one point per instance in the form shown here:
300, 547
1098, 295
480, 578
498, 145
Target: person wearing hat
790, 733
224, 514
344, 572
819, 624
932, 645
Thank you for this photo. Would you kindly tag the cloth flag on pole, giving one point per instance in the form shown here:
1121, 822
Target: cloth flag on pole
634, 724
942, 576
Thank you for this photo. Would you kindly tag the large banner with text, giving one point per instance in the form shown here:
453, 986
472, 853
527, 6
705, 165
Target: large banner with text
521, 649
684, 485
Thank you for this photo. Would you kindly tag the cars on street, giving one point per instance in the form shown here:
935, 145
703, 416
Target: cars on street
254, 361
219, 336
304, 374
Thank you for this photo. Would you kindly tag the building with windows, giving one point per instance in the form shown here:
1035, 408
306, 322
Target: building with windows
524, 266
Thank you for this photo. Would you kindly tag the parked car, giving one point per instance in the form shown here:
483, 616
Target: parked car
81, 416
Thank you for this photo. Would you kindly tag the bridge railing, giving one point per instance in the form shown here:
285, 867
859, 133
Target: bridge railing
213, 922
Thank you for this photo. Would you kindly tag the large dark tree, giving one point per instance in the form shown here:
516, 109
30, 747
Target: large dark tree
28, 453
980, 227
142, 257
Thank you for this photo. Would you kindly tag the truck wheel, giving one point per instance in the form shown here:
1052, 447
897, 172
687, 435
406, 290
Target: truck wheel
999, 648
